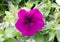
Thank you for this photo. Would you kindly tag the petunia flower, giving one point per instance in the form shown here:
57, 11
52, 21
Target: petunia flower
29, 22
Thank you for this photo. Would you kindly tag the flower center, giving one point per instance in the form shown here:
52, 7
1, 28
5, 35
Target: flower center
28, 20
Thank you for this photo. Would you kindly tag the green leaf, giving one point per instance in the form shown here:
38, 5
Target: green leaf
44, 0
45, 9
20, 36
57, 15
1, 38
41, 38
51, 35
9, 32
1, 12
24, 37
58, 35
50, 25
55, 6
57, 27
10, 40
10, 17
58, 31
33, 1
17, 1
2, 31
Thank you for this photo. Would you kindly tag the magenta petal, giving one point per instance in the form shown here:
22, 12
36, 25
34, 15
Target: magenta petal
37, 14
38, 19
21, 28
29, 31
22, 13
33, 11
26, 31
18, 25
30, 22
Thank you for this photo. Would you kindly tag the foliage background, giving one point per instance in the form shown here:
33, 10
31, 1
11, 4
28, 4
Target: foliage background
8, 17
